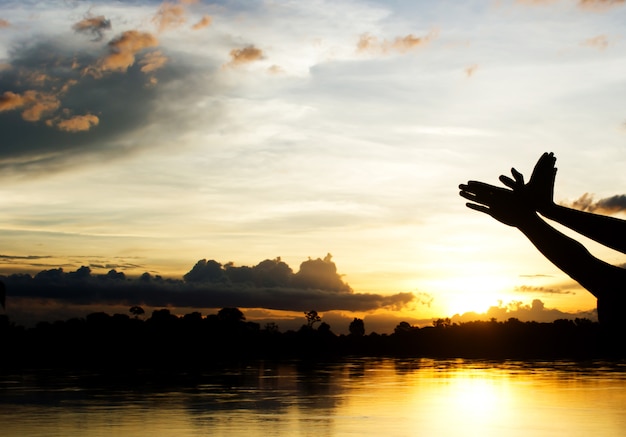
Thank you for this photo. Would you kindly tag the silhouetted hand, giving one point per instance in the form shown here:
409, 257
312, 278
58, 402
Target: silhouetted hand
539, 191
507, 206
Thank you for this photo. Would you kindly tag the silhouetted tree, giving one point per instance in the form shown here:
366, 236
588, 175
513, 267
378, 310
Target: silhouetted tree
357, 327
231, 315
402, 328
3, 295
311, 318
271, 327
324, 329
442, 323
136, 311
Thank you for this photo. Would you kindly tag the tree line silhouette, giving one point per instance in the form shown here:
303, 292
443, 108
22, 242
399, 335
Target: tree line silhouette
192, 341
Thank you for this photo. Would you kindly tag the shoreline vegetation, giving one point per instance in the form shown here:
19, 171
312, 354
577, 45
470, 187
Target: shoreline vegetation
164, 341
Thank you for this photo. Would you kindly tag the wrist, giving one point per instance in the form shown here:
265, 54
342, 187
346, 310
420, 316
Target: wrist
547, 209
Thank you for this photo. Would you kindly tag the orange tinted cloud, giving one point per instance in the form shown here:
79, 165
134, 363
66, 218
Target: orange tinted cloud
366, 42
39, 104
245, 55
205, 21
37, 78
152, 62
403, 44
36, 103
169, 15
4, 23
10, 100
400, 44
275, 69
78, 123
599, 42
94, 25
600, 4
125, 48
536, 2
469, 71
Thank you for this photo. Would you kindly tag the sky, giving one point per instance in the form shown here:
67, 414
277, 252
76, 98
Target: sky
326, 137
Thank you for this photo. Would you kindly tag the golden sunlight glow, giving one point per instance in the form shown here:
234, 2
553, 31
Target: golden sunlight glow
473, 293
476, 399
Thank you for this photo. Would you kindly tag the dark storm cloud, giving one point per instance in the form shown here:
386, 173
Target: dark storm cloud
207, 285
52, 113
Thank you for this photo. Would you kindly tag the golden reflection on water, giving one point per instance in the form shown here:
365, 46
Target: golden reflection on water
496, 399
382, 397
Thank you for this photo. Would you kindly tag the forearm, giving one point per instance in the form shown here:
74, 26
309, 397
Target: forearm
597, 276
609, 231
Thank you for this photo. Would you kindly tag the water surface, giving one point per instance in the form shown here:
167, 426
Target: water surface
355, 397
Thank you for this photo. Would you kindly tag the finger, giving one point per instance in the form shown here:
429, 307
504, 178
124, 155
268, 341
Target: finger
546, 160
466, 194
484, 199
479, 208
480, 186
519, 178
508, 181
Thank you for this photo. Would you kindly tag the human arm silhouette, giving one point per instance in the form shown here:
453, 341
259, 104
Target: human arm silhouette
538, 193
515, 208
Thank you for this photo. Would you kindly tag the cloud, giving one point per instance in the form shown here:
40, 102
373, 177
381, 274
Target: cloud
536, 2
423, 298
153, 61
169, 16
208, 285
47, 99
370, 43
275, 69
245, 55
536, 311
4, 23
125, 48
600, 42
596, 5
9, 100
542, 290
34, 103
536, 276
469, 71
600, 5
25, 257
205, 21
607, 205
77, 123
94, 26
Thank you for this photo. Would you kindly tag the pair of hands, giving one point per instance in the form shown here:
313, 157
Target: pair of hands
517, 205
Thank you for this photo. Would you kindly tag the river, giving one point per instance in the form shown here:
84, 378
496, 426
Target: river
352, 397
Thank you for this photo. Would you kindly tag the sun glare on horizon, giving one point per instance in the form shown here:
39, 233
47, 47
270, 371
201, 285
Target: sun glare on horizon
473, 293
